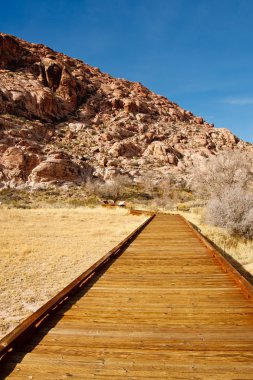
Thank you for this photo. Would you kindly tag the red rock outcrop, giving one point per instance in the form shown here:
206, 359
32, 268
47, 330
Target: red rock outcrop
56, 170
98, 124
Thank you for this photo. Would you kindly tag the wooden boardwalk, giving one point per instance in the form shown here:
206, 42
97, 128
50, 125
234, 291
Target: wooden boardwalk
163, 310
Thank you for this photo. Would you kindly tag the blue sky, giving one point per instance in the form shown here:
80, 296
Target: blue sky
198, 53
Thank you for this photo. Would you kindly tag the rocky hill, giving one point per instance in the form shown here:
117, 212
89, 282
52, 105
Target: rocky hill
62, 120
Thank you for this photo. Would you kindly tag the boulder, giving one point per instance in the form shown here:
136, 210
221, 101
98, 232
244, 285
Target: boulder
126, 149
130, 106
162, 152
17, 164
62, 170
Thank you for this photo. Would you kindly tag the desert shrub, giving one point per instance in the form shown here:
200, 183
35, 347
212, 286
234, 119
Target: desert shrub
148, 183
76, 202
211, 177
109, 189
164, 203
183, 207
247, 224
170, 191
114, 188
164, 188
232, 210
92, 201
91, 187
19, 204
163, 192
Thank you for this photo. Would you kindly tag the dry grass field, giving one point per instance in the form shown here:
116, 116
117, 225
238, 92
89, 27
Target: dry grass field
239, 248
42, 250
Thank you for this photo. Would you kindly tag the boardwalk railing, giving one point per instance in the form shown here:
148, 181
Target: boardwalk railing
30, 324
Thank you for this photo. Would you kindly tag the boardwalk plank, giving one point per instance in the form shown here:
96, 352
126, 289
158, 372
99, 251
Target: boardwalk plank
163, 310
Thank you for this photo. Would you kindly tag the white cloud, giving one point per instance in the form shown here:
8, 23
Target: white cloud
237, 101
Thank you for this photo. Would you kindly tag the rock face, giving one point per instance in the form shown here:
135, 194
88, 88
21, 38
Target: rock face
62, 120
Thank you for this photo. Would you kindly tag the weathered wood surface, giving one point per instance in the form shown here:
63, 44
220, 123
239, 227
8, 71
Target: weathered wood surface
163, 310
30, 324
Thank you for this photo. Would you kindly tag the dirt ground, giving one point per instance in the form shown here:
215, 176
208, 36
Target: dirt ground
42, 250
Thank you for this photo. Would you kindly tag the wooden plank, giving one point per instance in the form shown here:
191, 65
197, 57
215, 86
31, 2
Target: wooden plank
164, 309
32, 322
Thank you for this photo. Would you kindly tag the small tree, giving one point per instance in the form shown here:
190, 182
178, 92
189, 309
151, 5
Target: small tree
233, 210
210, 177
224, 181
148, 183
91, 186
115, 187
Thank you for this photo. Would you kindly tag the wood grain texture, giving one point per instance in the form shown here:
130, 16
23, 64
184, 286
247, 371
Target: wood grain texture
164, 309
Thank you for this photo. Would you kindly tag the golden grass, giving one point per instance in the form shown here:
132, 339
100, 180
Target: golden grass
239, 248
42, 250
